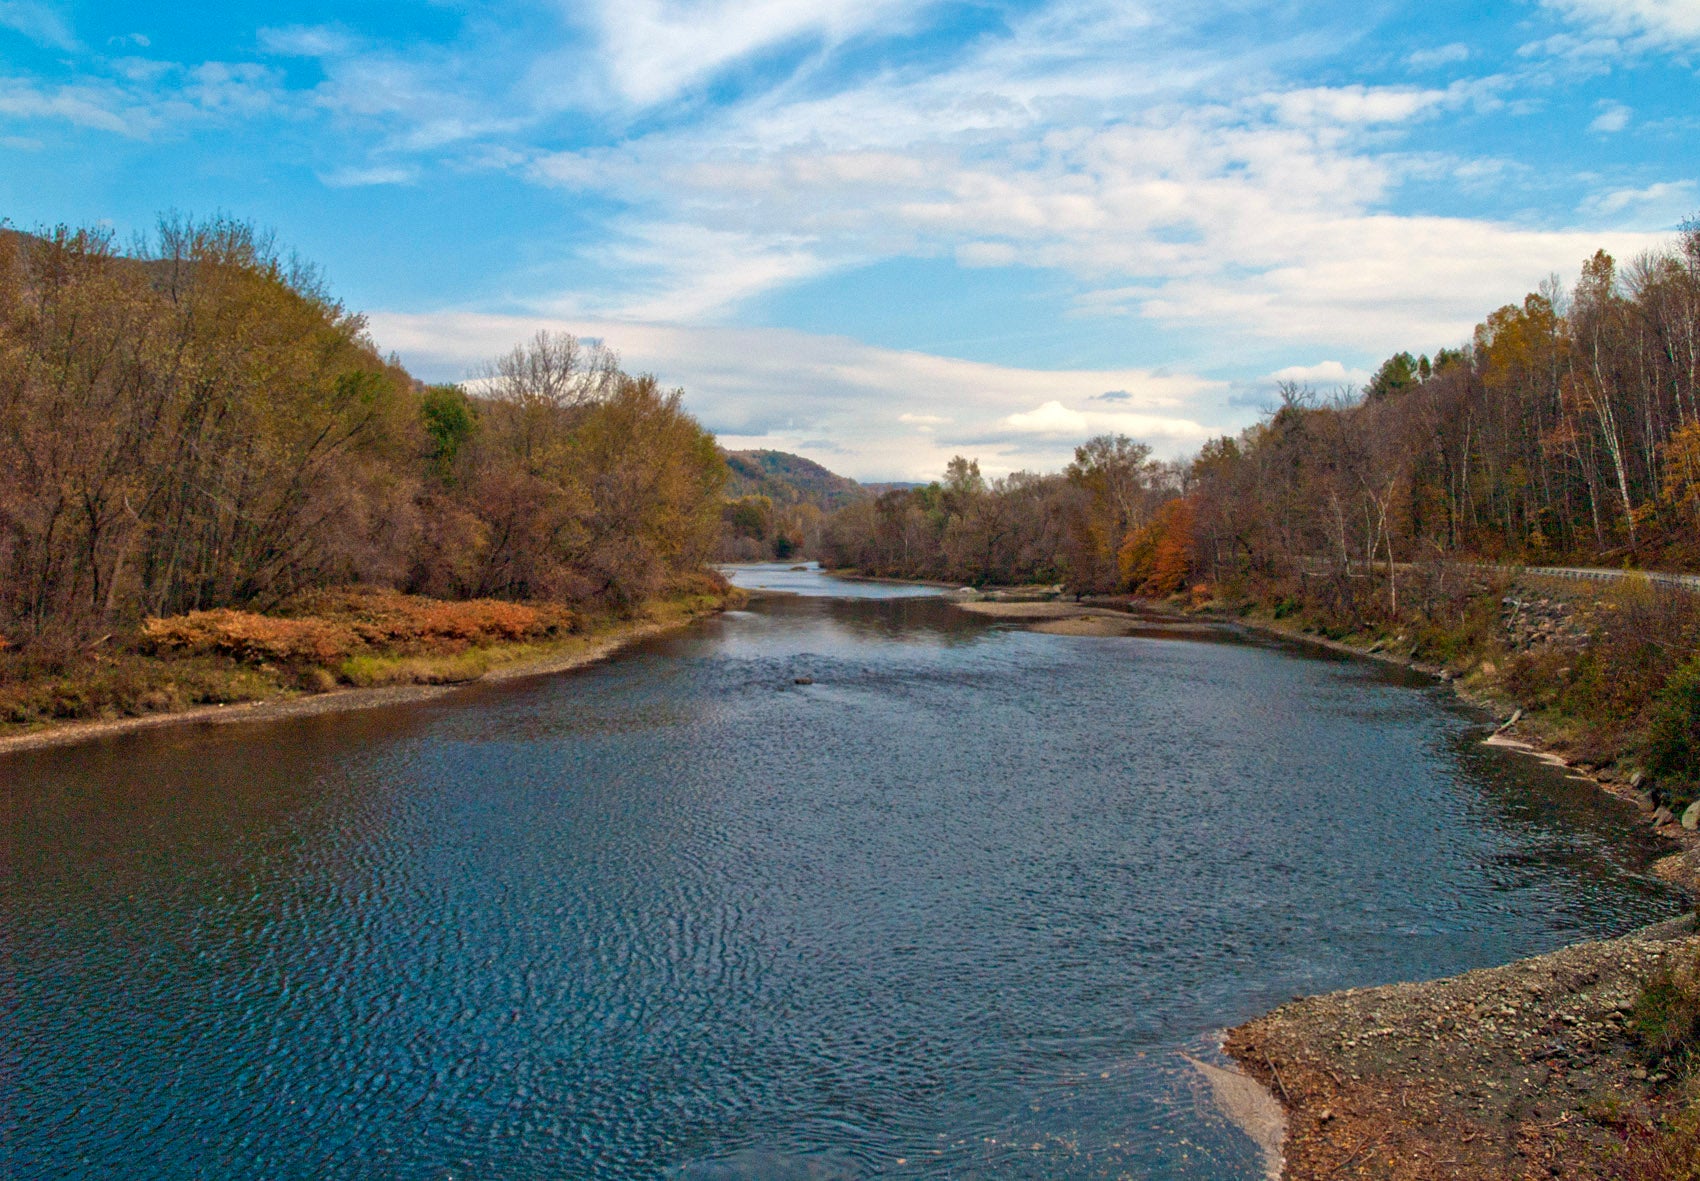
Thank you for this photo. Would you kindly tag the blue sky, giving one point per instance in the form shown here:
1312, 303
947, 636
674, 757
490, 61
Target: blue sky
880, 232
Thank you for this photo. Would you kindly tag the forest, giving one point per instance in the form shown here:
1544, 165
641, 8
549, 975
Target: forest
194, 423
1567, 430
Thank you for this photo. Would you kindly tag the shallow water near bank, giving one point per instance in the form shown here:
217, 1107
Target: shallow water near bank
952, 908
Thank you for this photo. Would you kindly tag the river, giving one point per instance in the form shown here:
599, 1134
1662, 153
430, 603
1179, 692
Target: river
831, 887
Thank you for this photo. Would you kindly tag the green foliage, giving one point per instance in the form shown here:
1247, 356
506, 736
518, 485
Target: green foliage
1673, 738
450, 421
1398, 373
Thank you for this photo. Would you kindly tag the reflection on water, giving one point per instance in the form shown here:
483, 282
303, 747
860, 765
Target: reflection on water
950, 909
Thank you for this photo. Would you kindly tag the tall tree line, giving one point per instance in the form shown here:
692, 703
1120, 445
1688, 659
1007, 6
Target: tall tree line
1067, 527
1566, 430
195, 422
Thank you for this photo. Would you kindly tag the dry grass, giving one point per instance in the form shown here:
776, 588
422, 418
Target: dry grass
327, 628
316, 642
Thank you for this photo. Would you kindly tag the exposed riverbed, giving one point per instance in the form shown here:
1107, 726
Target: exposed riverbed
831, 887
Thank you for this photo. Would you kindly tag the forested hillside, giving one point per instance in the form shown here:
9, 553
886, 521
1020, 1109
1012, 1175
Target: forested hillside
776, 502
197, 423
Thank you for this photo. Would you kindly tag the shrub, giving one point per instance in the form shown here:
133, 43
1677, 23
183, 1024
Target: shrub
326, 628
1668, 1152
1673, 738
1666, 1019
250, 638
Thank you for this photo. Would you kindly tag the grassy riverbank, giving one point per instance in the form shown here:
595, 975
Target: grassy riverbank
350, 645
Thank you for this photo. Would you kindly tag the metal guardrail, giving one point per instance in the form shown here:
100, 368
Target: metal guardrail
1689, 583
1684, 582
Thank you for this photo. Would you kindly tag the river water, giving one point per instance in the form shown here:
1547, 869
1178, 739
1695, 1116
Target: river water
953, 909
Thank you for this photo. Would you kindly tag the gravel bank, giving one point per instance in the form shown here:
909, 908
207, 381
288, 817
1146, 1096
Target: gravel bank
1521, 1071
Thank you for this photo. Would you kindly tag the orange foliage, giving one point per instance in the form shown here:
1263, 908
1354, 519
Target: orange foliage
326, 627
1156, 559
1681, 454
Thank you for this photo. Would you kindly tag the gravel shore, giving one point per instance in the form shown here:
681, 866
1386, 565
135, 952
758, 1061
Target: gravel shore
1527, 1070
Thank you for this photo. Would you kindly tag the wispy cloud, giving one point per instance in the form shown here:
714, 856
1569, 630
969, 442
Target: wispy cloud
1666, 201
1613, 117
1442, 55
42, 23
1635, 23
1327, 374
654, 50
1304, 184
880, 413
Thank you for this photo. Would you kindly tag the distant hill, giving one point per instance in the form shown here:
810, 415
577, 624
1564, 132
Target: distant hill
788, 479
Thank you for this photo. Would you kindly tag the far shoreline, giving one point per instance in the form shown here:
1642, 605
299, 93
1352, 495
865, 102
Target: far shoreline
567, 655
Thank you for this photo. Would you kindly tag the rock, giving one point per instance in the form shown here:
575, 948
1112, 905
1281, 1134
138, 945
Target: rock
1664, 816
802, 680
1691, 817
1637, 779
1646, 802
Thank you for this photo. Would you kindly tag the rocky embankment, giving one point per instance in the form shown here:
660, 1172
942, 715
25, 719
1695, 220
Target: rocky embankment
1529, 1070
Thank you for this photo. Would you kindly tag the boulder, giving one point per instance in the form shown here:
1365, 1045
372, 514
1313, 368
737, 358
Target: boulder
1664, 816
1691, 817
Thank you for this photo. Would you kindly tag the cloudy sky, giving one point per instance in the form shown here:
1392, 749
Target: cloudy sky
880, 232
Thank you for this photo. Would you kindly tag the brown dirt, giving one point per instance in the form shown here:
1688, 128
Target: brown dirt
1522, 1071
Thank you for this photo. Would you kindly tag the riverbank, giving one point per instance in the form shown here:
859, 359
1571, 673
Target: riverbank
1506, 664
1520, 729
264, 690
1540, 1068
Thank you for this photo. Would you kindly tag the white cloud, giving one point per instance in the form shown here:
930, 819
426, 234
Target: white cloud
656, 49
306, 41
1654, 23
1443, 55
376, 174
867, 412
1657, 204
1357, 104
100, 106
701, 273
145, 99
1613, 117
41, 23
1046, 149
1328, 374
